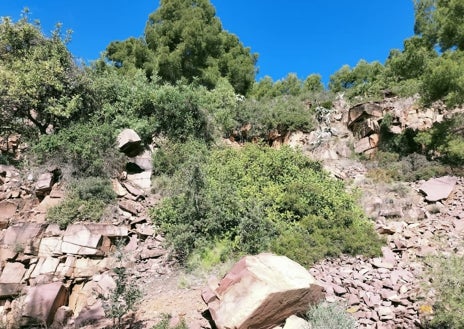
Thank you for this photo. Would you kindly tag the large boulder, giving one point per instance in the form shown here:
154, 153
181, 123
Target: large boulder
41, 303
129, 142
261, 292
44, 184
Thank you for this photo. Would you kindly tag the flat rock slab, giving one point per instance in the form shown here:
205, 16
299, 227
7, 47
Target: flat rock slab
81, 235
46, 265
437, 189
108, 229
12, 273
22, 234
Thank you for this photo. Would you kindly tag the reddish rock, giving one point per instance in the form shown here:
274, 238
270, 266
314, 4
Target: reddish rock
118, 188
367, 143
12, 273
8, 290
23, 235
7, 210
262, 291
42, 302
437, 189
132, 207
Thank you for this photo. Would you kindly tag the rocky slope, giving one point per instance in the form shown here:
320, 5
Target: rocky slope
65, 271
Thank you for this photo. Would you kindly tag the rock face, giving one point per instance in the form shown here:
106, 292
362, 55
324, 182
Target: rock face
261, 292
363, 119
438, 188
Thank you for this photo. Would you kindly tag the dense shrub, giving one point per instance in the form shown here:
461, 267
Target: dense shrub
445, 140
448, 282
179, 113
88, 148
260, 199
171, 156
87, 200
284, 114
124, 101
389, 166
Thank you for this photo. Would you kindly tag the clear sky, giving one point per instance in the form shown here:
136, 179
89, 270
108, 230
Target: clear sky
293, 36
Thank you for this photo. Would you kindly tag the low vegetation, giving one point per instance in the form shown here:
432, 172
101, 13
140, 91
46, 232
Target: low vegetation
330, 315
447, 275
87, 200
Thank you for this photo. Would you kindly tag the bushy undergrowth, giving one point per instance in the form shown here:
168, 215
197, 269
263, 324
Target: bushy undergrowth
389, 166
445, 140
448, 282
88, 148
260, 199
87, 199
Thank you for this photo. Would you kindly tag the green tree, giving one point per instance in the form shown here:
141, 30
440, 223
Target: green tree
291, 85
313, 83
412, 62
440, 22
187, 41
365, 79
131, 55
444, 79
41, 86
262, 88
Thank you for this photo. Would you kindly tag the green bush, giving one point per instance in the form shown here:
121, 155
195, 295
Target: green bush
445, 140
261, 199
125, 296
179, 114
171, 156
86, 201
88, 148
448, 282
329, 316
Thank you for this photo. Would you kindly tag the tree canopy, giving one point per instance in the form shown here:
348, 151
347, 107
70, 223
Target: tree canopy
40, 84
184, 39
440, 22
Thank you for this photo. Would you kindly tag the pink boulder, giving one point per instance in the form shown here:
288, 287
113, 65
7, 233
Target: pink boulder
261, 292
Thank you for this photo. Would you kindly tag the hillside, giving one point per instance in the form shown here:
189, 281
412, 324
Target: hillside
127, 183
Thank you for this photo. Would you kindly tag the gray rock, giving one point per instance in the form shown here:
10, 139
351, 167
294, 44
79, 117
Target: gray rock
129, 142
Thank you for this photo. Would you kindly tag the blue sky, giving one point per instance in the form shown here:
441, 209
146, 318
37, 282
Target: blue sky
293, 36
